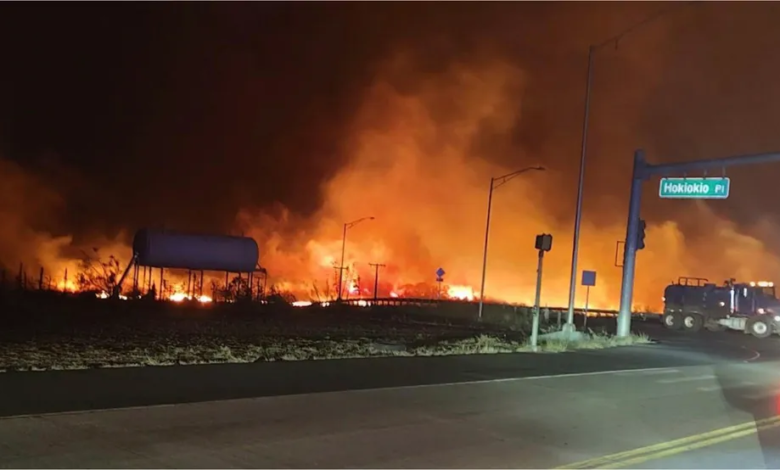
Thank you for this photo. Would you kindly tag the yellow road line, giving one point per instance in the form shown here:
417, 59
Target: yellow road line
677, 446
696, 445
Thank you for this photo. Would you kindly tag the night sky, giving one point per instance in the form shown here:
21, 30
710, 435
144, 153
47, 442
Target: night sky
180, 115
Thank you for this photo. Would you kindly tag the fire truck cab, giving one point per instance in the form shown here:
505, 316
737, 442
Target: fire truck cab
691, 304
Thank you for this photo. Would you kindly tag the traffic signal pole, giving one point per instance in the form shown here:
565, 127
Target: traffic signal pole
641, 172
629, 258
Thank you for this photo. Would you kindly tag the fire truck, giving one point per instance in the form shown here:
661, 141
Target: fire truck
694, 303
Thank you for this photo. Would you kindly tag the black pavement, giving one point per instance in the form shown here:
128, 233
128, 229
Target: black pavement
59, 391
694, 416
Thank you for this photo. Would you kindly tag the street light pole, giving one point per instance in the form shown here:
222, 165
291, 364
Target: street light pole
484, 250
341, 265
343, 249
493, 185
583, 151
580, 184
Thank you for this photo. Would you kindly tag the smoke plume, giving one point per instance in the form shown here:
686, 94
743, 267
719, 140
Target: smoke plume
406, 125
420, 162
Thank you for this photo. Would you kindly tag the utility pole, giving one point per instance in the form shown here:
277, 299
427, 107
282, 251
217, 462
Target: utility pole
376, 277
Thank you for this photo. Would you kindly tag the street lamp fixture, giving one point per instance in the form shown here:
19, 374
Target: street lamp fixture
495, 183
347, 225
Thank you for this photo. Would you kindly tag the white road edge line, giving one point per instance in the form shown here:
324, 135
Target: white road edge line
365, 390
662, 371
687, 379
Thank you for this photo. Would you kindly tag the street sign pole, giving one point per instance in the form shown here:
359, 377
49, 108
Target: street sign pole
588, 280
537, 300
439, 279
543, 243
587, 299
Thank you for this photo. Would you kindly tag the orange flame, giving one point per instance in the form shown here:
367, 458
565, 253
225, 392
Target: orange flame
460, 293
421, 150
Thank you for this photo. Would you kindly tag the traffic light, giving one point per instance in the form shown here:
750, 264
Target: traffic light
640, 238
543, 242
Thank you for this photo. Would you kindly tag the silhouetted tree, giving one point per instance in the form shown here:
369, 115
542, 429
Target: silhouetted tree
277, 296
327, 293
96, 275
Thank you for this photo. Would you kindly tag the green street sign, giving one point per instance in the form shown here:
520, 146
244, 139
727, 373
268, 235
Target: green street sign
694, 188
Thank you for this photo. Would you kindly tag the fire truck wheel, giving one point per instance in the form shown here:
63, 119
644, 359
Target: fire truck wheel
692, 322
759, 327
672, 320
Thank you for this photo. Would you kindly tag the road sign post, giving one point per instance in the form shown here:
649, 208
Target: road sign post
588, 280
439, 279
694, 188
543, 243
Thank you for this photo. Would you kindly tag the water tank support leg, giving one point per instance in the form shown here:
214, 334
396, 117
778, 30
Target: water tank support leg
118, 287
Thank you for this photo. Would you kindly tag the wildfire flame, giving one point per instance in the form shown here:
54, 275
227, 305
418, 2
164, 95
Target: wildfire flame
421, 148
460, 293
67, 286
182, 296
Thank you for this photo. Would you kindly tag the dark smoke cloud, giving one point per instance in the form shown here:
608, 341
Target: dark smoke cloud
191, 116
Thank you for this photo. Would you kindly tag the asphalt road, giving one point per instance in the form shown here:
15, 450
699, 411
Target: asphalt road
689, 401
60, 391
677, 417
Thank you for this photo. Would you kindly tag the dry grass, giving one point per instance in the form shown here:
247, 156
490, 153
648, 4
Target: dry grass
57, 333
64, 356
595, 341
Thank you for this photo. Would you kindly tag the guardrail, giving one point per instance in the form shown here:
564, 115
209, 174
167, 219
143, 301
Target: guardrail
435, 303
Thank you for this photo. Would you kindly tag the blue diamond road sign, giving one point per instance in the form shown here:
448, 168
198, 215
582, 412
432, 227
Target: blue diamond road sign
440, 272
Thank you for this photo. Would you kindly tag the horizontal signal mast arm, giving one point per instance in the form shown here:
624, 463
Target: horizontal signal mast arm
666, 169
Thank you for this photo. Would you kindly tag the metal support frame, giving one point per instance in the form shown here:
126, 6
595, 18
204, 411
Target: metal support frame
642, 172
118, 286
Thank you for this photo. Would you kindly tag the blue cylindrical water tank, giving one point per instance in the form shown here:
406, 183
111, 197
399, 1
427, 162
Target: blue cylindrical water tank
165, 249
